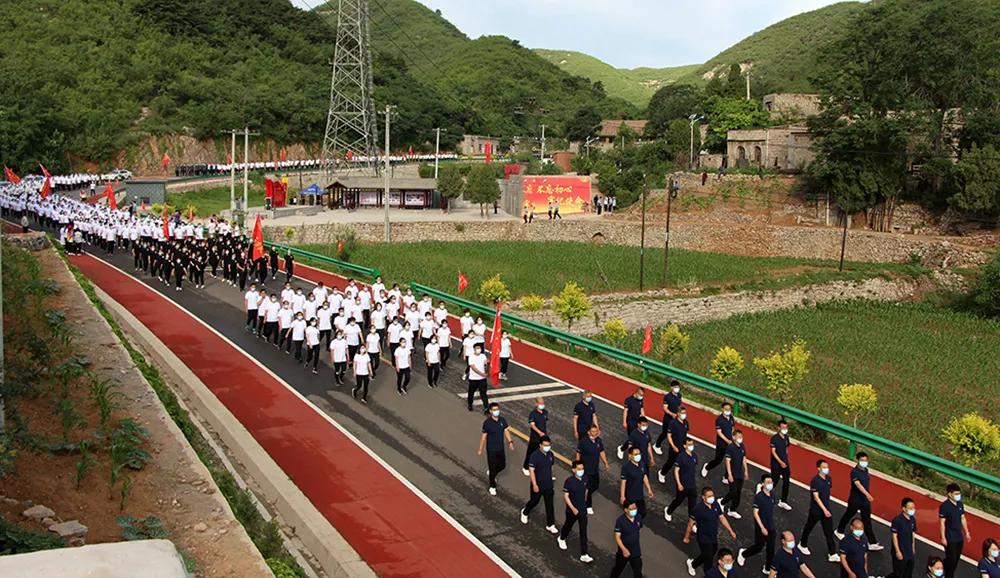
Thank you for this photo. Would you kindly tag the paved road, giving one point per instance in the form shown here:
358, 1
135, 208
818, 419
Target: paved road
430, 438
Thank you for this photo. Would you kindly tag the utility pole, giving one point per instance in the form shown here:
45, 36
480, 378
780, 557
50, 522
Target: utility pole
238, 213
748, 84
693, 118
246, 174
232, 176
642, 237
437, 151
3, 365
543, 143
672, 191
385, 199
843, 239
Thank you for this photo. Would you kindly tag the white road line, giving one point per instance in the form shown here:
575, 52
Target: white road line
501, 398
440, 511
520, 388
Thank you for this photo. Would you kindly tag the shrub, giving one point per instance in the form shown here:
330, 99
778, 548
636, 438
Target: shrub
349, 237
672, 343
974, 439
289, 232
614, 331
281, 569
494, 290
532, 302
782, 369
727, 364
856, 399
571, 304
984, 292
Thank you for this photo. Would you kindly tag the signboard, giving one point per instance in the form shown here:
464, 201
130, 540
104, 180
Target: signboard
414, 199
572, 193
369, 199
394, 199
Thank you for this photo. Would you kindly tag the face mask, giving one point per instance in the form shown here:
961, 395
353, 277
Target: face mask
858, 533
994, 553
790, 544
362, 351
727, 413
639, 397
863, 465
958, 497
587, 399
727, 567
768, 487
676, 390
911, 513
710, 500
496, 413
541, 406
824, 471
546, 449
637, 458
938, 573
579, 473
738, 441
682, 416
643, 427
784, 432
633, 513
689, 448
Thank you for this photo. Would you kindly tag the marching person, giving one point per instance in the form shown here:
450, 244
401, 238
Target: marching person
685, 477
788, 560
540, 472
576, 495
633, 481
374, 346
904, 541
538, 420
780, 465
640, 438
402, 357
764, 533
629, 552
724, 425
395, 332
271, 319
432, 359
444, 342
362, 371
724, 566
859, 501
989, 565
737, 470
252, 301
590, 452
584, 415
677, 437
954, 529
672, 401
631, 413
289, 265
707, 515
819, 511
477, 376
298, 330
312, 345
338, 355
495, 430
505, 354
854, 552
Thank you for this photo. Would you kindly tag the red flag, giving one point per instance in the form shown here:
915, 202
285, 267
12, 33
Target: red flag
112, 198
45, 171
11, 176
647, 340
46, 188
142, 206
350, 155
340, 246
411, 150
275, 165
284, 154
495, 348
258, 239
463, 282
191, 213
166, 227
229, 159
489, 152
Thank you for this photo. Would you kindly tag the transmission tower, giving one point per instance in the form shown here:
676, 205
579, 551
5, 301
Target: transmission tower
350, 122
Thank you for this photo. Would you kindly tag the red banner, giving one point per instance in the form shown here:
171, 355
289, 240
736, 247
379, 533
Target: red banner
571, 193
495, 339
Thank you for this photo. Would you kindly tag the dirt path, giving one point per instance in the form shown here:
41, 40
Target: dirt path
174, 485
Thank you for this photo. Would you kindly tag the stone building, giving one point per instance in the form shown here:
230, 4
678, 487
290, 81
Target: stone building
475, 145
792, 105
608, 134
784, 148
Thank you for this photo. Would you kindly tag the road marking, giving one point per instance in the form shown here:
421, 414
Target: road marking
502, 398
505, 390
558, 456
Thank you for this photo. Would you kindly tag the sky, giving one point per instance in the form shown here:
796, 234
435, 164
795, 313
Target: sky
623, 33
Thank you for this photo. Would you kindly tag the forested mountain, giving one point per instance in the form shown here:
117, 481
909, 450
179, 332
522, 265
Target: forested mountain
83, 79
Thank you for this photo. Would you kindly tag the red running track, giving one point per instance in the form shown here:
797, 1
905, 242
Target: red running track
391, 528
888, 493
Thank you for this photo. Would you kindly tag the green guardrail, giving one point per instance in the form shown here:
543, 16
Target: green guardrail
358, 270
852, 435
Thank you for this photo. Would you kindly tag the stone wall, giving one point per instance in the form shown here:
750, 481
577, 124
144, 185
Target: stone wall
749, 240
31, 241
636, 312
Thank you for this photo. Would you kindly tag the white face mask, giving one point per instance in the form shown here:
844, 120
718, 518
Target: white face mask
637, 458
676, 390
496, 413
784, 431
541, 407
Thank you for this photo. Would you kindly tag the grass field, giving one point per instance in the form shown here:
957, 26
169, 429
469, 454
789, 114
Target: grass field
928, 364
216, 199
545, 267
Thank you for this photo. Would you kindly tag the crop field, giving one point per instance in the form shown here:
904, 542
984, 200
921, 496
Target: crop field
543, 268
216, 199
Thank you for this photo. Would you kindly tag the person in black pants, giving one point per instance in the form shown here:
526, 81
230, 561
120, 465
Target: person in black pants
540, 472
737, 470
707, 515
590, 451
272, 255
678, 436
954, 529
538, 421
859, 501
575, 496
764, 531
781, 467
685, 476
478, 366
633, 410
725, 423
629, 552
819, 511
494, 432
904, 530
289, 266
671, 405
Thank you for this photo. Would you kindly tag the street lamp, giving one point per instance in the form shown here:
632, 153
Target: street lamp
693, 118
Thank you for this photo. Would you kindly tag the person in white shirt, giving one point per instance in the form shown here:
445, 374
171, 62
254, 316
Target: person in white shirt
477, 377
412, 323
395, 333
424, 305
262, 306
468, 347
287, 293
339, 321
271, 320
285, 316
401, 357
427, 329
505, 354
309, 307
348, 304
298, 301
298, 331
378, 321
373, 343
358, 312
378, 287
320, 293
338, 354
362, 369
432, 358
408, 298
392, 308
365, 299
466, 321
252, 301
479, 331
441, 313
312, 345
444, 342
352, 332
335, 299
325, 316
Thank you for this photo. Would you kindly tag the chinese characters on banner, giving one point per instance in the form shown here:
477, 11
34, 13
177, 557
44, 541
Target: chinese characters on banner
572, 193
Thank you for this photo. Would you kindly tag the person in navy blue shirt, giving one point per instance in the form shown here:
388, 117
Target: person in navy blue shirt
590, 451
787, 561
904, 543
737, 470
854, 552
631, 413
781, 467
819, 510
634, 480
584, 415
707, 515
685, 477
860, 501
640, 438
989, 565
935, 567
540, 470
678, 435
538, 421
724, 566
671, 404
575, 496
494, 432
764, 531
629, 552
725, 423
954, 529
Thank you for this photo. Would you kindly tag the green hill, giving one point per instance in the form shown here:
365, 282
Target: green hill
635, 85
785, 55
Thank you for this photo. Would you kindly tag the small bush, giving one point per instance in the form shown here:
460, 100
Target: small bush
571, 304
856, 399
782, 369
532, 302
614, 331
984, 292
974, 439
727, 364
281, 569
673, 343
493, 290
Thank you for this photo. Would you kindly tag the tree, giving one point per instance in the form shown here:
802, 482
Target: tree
856, 399
979, 176
450, 184
782, 368
974, 439
726, 114
614, 332
571, 304
672, 343
583, 125
481, 187
494, 290
984, 291
670, 103
727, 364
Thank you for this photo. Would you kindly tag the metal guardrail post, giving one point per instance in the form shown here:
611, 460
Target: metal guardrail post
852, 450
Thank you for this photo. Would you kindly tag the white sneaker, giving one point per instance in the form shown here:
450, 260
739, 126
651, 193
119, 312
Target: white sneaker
704, 471
590, 511
691, 567
833, 558
562, 543
525, 471
621, 454
586, 559
765, 570
875, 547
734, 514
667, 516
493, 491
740, 559
784, 506
804, 550
661, 478
552, 529
840, 535
524, 517
658, 451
